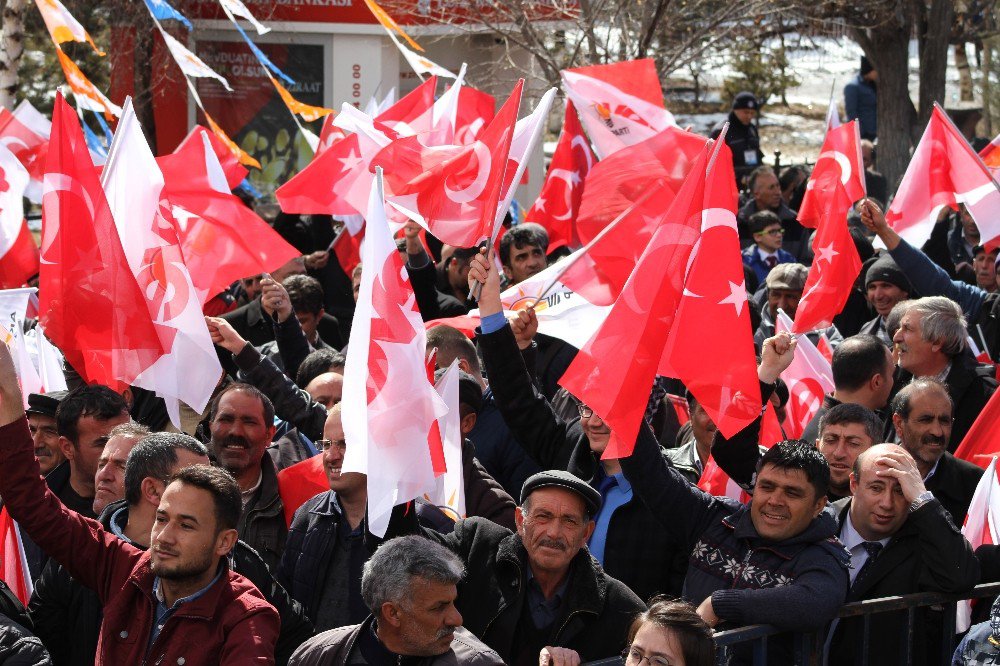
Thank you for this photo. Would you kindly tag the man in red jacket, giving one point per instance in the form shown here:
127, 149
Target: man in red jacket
178, 602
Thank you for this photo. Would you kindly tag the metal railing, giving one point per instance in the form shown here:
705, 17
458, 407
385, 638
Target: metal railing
807, 648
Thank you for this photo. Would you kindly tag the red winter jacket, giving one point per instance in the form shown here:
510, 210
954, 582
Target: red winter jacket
230, 624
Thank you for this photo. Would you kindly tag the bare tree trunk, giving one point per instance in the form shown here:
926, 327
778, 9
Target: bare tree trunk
933, 35
964, 73
142, 100
986, 66
11, 49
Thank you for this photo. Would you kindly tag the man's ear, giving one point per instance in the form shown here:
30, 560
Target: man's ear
225, 542
468, 423
897, 423
390, 614
151, 490
67, 448
507, 274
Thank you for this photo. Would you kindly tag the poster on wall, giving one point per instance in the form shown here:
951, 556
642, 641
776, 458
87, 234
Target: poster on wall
254, 115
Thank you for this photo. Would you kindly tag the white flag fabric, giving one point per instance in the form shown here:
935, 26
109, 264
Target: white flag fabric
389, 405
982, 526
13, 304
449, 496
49, 360
132, 181
239, 9
420, 64
191, 64
14, 180
809, 379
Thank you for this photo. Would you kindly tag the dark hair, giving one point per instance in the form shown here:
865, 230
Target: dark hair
318, 362
223, 488
91, 400
757, 173
693, 634
797, 454
790, 174
761, 220
520, 236
155, 456
901, 403
250, 390
856, 359
470, 392
463, 254
305, 293
848, 412
451, 343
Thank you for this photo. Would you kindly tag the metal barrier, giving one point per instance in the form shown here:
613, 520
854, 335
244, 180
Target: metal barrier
808, 647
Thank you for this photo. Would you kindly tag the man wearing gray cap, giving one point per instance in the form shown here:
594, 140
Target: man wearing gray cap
41, 413
539, 588
784, 285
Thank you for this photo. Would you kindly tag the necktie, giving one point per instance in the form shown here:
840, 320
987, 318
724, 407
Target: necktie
772, 261
873, 548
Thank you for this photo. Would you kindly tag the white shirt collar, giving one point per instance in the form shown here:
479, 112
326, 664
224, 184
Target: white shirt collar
850, 537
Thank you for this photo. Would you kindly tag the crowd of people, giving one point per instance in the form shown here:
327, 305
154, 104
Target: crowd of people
152, 544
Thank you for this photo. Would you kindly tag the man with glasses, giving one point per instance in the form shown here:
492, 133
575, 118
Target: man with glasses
766, 252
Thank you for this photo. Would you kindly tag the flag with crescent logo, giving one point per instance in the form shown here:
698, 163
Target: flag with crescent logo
221, 239
18, 252
809, 379
452, 190
234, 171
25, 132
559, 201
475, 111
62, 26
620, 104
389, 406
836, 182
89, 302
189, 370
944, 171
614, 372
710, 347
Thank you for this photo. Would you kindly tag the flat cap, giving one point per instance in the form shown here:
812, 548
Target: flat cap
789, 276
45, 404
557, 478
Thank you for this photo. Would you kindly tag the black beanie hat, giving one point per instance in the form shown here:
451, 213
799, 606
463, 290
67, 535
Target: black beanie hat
745, 100
866, 65
885, 269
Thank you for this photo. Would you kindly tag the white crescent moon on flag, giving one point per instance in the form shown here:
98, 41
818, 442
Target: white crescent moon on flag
10, 141
842, 160
478, 184
580, 141
60, 182
567, 177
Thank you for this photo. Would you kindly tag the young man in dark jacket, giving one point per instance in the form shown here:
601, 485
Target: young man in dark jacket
155, 602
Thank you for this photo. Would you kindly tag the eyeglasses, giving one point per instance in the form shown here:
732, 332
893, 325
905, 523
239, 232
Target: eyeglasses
772, 232
634, 657
324, 444
585, 412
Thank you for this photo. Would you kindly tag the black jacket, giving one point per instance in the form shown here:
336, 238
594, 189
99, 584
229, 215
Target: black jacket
254, 325
62, 607
928, 554
498, 450
491, 599
639, 552
18, 647
262, 524
433, 304
954, 483
741, 139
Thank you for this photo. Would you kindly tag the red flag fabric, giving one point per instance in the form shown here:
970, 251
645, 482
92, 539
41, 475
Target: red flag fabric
92, 307
329, 134
837, 181
475, 111
300, 482
599, 273
618, 181
26, 134
221, 239
710, 347
465, 323
944, 171
347, 249
452, 190
716, 482
18, 252
614, 371
234, 171
809, 379
771, 431
559, 201
824, 348
13, 564
983, 439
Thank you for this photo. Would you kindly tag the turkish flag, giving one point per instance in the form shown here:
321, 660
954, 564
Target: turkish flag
614, 371
13, 563
710, 347
618, 181
329, 134
982, 442
301, 482
809, 379
25, 132
221, 239
944, 171
559, 201
475, 111
389, 406
91, 306
452, 191
234, 171
347, 248
605, 264
837, 177
18, 252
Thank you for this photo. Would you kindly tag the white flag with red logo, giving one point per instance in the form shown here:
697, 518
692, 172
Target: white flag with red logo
389, 406
449, 495
132, 181
620, 104
18, 252
944, 171
809, 379
13, 563
982, 526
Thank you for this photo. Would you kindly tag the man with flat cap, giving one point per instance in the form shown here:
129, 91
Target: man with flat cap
539, 588
742, 137
784, 286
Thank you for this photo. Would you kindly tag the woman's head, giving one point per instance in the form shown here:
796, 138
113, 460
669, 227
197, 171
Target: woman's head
672, 632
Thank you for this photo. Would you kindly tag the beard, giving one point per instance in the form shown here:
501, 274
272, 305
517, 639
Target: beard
181, 571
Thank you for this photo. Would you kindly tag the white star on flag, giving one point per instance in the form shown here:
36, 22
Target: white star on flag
737, 297
826, 254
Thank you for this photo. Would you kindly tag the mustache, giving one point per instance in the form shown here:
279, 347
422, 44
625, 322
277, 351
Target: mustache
237, 440
933, 439
553, 543
444, 633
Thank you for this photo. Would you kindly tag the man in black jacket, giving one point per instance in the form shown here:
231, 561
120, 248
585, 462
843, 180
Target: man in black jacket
901, 541
60, 605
